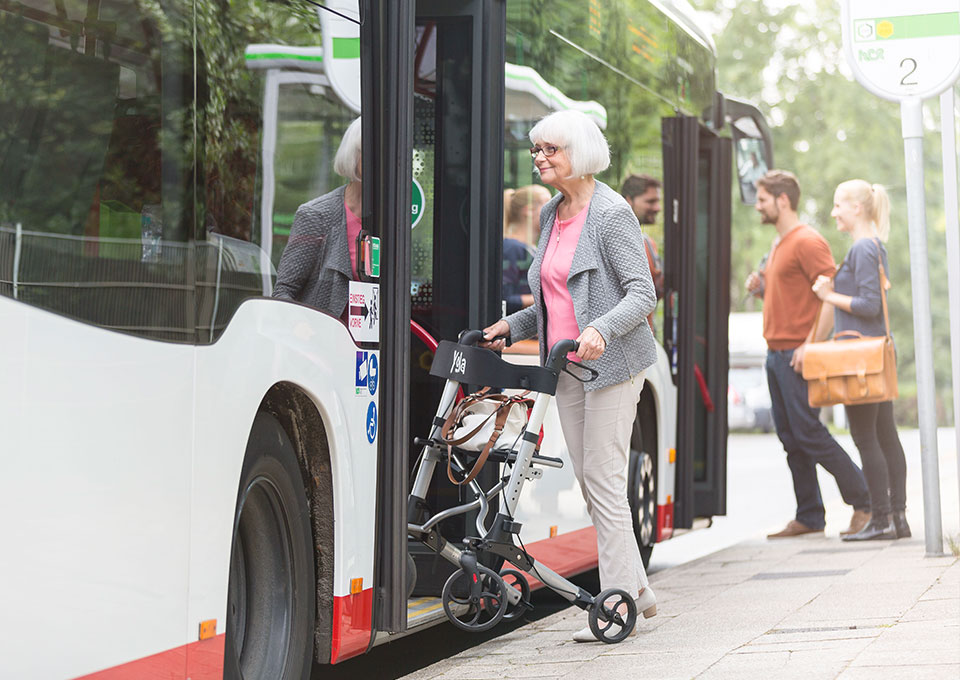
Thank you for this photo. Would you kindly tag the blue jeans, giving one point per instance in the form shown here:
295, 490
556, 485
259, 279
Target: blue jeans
807, 442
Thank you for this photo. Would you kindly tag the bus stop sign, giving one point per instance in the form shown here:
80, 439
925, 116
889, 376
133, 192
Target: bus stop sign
900, 50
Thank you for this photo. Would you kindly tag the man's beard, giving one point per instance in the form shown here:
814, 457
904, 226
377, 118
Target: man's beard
766, 218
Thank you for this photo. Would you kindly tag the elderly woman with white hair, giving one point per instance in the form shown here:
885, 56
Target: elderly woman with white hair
321, 255
590, 282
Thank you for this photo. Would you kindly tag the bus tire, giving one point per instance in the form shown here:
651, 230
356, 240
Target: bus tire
271, 593
642, 494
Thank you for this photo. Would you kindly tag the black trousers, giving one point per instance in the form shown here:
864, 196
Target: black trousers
884, 465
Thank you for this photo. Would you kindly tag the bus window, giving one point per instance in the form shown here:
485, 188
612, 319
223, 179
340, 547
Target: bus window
94, 214
270, 130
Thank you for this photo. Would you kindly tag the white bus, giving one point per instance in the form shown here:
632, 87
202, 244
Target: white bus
202, 481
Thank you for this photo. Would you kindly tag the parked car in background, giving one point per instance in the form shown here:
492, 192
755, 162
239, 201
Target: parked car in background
748, 399
748, 396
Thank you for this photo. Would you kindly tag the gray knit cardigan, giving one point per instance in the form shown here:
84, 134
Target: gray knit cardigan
315, 266
609, 283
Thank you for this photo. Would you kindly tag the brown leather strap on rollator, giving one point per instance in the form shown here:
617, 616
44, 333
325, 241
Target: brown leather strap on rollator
501, 413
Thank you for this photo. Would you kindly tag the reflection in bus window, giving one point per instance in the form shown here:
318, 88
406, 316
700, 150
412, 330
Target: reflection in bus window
94, 214
152, 156
521, 232
270, 127
320, 258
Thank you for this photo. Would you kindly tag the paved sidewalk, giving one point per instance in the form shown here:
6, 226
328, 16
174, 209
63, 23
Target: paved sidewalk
797, 608
809, 607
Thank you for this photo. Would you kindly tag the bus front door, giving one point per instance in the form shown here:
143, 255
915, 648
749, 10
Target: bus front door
454, 145
456, 211
697, 174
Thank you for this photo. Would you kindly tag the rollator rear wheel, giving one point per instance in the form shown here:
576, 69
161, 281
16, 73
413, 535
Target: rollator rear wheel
612, 616
479, 613
516, 580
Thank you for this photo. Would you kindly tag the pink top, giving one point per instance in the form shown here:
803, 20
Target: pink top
353, 231
561, 320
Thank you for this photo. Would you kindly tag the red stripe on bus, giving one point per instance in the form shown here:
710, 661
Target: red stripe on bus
664, 521
576, 552
201, 660
567, 554
352, 617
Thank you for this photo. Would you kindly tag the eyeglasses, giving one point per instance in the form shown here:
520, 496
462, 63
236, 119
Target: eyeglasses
547, 150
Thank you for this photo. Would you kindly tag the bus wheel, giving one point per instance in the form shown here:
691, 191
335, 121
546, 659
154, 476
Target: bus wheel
642, 494
272, 591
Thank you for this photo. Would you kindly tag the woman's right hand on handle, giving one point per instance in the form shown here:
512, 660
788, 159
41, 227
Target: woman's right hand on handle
500, 328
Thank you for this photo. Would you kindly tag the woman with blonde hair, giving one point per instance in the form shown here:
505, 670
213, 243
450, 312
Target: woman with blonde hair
862, 210
521, 230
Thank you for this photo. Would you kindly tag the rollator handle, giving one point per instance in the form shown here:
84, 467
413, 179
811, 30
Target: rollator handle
558, 353
469, 337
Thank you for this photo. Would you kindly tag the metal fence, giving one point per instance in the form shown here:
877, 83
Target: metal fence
182, 292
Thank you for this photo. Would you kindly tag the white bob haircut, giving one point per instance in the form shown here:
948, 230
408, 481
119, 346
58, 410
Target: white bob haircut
347, 160
580, 137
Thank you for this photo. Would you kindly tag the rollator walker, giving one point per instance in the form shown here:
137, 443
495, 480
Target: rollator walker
475, 598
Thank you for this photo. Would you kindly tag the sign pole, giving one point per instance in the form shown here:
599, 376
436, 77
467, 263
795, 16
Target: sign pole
911, 112
951, 209
908, 52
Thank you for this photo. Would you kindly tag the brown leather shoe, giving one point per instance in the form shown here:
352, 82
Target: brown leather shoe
794, 528
857, 522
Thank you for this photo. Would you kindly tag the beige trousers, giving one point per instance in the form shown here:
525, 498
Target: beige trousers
597, 426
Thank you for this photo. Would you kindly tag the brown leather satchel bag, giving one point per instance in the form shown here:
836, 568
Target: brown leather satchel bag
862, 370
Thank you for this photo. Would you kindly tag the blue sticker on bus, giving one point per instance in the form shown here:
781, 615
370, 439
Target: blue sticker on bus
372, 421
361, 375
373, 374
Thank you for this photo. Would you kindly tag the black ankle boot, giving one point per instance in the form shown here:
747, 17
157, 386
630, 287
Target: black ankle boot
900, 524
880, 527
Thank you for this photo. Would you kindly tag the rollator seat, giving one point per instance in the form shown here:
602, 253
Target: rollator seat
479, 366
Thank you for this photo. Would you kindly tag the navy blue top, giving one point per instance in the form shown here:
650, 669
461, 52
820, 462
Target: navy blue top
859, 277
517, 258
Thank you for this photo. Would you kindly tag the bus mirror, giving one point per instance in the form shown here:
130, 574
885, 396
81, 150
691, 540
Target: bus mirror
751, 164
753, 145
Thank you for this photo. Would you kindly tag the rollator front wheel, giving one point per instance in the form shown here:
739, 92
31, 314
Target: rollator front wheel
516, 580
612, 616
474, 609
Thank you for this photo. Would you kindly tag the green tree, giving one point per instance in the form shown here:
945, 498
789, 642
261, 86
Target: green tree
787, 57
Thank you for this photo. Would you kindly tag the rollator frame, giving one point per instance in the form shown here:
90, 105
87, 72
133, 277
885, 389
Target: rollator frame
461, 363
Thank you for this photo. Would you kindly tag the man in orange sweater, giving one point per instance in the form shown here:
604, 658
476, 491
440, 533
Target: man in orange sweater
798, 256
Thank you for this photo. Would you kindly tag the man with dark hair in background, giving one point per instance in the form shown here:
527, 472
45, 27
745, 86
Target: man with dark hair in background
798, 256
643, 194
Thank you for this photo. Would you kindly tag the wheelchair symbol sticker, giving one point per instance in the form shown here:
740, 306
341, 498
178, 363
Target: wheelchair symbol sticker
372, 421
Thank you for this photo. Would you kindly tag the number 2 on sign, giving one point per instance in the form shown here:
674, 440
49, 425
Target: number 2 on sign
903, 64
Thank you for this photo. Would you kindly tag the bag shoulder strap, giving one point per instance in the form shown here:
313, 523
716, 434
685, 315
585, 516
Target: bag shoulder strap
884, 284
501, 413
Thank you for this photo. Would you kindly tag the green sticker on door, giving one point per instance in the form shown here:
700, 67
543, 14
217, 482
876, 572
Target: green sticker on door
375, 257
417, 204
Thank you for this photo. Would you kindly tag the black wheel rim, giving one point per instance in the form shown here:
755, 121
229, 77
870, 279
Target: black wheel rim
260, 604
646, 498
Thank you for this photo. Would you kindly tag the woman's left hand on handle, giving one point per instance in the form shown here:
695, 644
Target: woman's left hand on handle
592, 344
